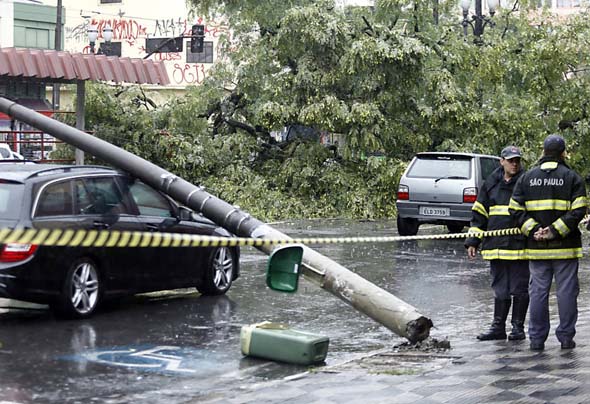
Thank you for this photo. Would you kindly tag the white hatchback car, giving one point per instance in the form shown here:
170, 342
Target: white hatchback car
441, 188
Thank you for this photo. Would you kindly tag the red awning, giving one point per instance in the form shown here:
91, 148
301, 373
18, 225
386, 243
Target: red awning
40, 106
52, 65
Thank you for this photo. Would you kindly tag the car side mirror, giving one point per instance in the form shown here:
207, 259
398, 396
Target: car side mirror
185, 213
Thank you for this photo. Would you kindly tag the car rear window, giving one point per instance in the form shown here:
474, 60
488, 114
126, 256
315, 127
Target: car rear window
11, 200
441, 167
56, 200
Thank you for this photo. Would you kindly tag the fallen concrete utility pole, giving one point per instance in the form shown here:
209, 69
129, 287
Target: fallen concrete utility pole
380, 305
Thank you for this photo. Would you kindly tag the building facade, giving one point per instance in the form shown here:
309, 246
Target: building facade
137, 25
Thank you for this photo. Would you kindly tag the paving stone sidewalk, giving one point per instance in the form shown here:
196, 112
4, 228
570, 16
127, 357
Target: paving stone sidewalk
471, 372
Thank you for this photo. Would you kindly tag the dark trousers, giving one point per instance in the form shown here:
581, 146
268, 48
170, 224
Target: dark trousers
567, 289
509, 278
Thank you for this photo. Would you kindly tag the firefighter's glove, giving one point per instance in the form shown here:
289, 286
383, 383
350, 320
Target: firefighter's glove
544, 234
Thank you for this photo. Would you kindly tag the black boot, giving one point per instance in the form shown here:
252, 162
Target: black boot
498, 328
519, 309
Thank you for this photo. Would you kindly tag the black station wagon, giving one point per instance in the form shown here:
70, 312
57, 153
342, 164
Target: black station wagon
75, 280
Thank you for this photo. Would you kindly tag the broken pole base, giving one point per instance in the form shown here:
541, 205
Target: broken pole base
368, 298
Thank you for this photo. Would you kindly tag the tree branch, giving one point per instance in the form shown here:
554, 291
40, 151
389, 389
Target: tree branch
237, 124
369, 28
515, 8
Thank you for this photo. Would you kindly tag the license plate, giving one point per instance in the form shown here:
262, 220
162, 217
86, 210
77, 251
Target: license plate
428, 211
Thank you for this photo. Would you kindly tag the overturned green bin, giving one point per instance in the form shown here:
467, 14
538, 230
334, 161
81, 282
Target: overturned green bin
282, 272
278, 342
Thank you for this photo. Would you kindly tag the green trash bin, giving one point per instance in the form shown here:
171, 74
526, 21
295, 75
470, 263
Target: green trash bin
280, 343
282, 272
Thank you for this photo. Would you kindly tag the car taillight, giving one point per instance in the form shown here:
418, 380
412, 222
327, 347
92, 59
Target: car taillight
403, 193
13, 252
469, 195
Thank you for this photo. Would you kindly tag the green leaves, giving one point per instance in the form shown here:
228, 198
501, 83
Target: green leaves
386, 80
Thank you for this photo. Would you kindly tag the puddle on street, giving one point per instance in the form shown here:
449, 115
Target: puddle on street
394, 363
403, 359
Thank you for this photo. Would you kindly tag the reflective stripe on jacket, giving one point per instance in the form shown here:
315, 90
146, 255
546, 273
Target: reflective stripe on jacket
490, 212
554, 195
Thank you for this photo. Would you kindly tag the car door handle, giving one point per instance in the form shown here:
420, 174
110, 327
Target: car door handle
152, 227
100, 225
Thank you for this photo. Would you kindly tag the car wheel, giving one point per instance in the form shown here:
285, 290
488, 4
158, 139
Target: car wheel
407, 226
219, 273
455, 228
81, 291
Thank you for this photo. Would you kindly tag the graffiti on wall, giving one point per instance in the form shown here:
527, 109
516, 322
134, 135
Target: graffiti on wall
133, 32
128, 30
189, 73
167, 56
170, 27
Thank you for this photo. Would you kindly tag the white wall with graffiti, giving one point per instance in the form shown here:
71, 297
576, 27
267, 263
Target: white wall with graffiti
6, 24
132, 21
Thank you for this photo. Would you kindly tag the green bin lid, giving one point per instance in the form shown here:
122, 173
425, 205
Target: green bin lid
282, 272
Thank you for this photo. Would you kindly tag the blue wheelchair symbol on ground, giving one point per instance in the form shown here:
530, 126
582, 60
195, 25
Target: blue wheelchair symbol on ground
163, 358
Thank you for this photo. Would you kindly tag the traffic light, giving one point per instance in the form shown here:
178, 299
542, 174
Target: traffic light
197, 37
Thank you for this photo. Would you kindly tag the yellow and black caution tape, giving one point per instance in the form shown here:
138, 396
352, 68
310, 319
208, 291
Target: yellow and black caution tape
106, 238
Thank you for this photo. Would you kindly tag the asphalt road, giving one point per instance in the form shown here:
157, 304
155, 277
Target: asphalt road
177, 346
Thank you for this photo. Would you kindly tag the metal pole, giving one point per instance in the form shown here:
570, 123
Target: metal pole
366, 297
58, 46
42, 146
58, 26
80, 116
478, 28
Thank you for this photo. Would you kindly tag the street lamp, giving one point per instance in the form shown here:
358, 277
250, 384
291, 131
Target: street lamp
478, 21
107, 34
92, 36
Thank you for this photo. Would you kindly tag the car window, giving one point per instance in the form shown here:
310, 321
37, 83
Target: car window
488, 165
440, 167
55, 200
5, 153
82, 197
98, 196
149, 201
11, 196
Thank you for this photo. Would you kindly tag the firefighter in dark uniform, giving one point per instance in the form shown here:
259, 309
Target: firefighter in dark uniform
508, 266
548, 203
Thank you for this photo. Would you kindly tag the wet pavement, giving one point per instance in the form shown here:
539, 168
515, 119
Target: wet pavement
182, 348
